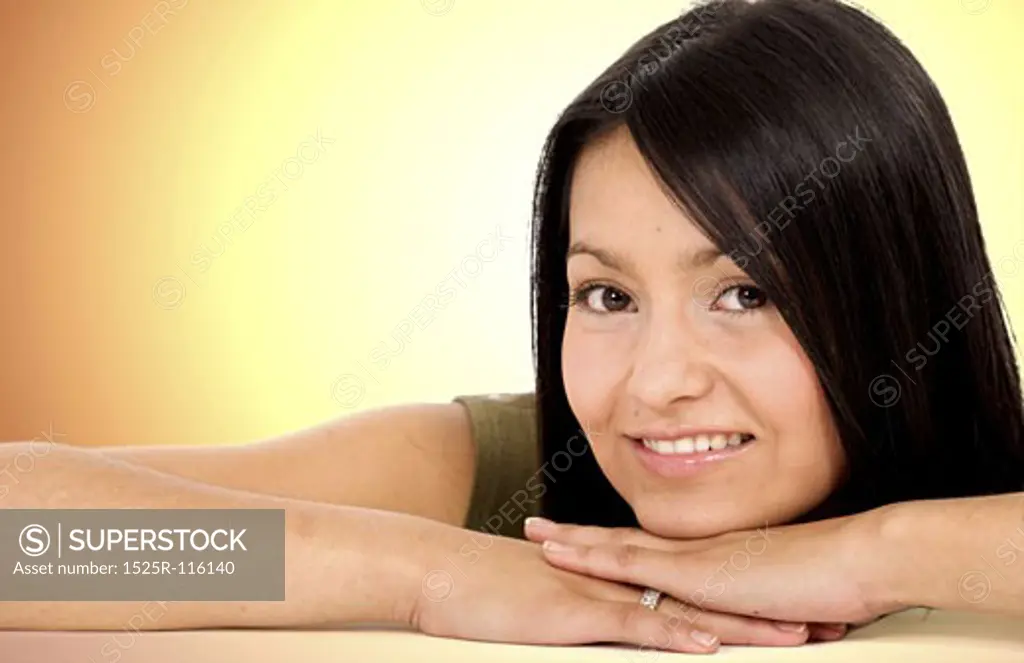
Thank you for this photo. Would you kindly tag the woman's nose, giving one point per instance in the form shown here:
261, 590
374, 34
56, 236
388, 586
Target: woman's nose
670, 364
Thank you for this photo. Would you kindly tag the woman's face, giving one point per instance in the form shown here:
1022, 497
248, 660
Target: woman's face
701, 407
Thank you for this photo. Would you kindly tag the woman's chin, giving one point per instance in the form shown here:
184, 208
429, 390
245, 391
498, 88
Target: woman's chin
671, 523
682, 523
673, 527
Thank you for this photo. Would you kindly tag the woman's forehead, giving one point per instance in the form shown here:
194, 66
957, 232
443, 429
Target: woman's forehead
613, 187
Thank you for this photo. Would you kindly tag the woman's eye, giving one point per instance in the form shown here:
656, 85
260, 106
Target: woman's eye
740, 298
601, 299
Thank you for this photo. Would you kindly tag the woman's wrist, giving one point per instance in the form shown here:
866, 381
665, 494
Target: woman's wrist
401, 556
932, 553
356, 565
885, 555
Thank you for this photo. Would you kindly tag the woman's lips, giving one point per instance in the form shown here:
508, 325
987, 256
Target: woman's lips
686, 464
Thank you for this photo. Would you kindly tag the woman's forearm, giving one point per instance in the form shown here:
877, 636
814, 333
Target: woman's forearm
343, 564
955, 554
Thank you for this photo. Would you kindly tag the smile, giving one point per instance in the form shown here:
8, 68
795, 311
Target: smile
690, 455
693, 444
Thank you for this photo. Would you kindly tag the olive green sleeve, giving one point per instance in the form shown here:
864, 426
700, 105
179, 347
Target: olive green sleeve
505, 438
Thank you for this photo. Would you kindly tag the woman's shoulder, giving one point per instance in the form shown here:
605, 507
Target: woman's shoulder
499, 402
506, 488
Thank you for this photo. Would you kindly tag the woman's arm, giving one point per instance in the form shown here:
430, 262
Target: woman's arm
961, 554
343, 564
348, 565
957, 554
414, 458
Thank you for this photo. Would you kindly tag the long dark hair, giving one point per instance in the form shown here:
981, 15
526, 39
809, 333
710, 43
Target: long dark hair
810, 146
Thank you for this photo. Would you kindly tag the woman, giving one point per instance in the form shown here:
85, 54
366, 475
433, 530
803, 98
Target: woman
774, 382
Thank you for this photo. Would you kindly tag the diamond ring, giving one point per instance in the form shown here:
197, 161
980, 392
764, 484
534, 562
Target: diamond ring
650, 599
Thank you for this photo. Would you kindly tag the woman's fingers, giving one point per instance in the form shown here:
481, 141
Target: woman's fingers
686, 629
635, 565
731, 629
735, 629
631, 623
827, 632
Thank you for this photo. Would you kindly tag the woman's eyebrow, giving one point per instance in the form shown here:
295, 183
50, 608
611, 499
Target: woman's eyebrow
609, 258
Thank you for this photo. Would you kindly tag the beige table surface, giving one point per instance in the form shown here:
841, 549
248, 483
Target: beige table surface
914, 635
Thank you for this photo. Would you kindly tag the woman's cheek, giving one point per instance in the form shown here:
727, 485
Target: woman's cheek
763, 355
573, 362
594, 362
782, 386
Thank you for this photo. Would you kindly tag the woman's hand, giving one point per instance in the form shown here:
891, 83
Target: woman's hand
816, 573
501, 589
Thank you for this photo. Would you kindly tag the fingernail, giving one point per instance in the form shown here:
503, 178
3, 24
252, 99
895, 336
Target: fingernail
704, 639
790, 627
553, 547
536, 523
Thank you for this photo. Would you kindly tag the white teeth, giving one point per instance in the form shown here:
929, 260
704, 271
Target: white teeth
684, 446
695, 444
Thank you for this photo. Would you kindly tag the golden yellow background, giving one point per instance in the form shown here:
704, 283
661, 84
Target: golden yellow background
131, 142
